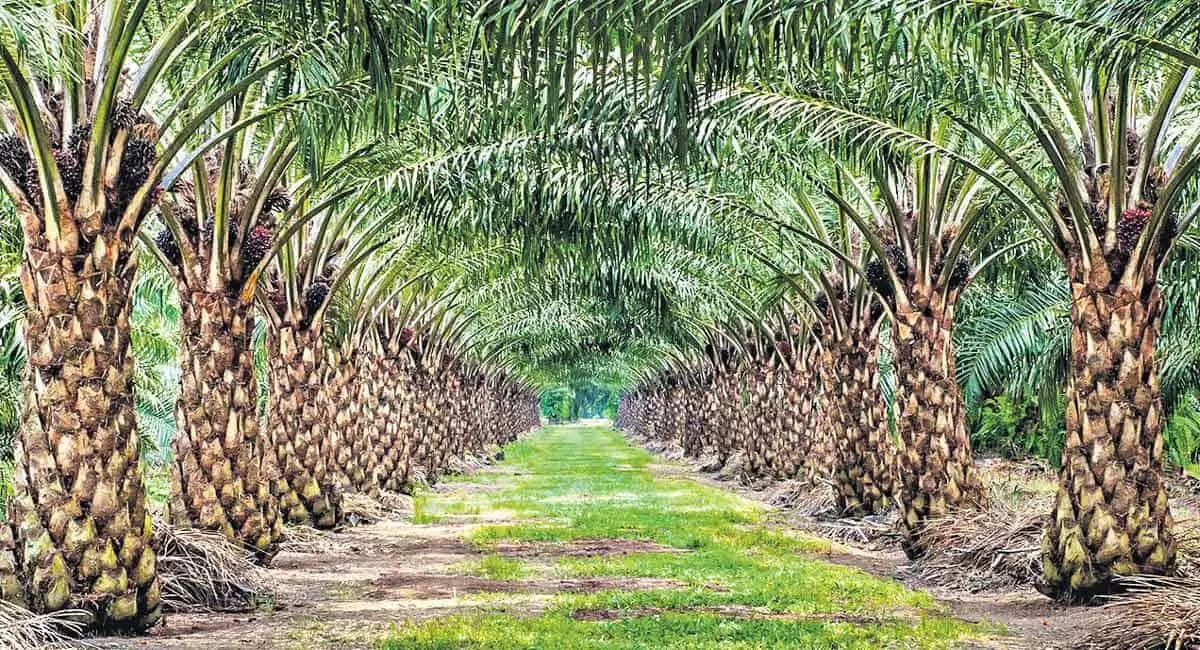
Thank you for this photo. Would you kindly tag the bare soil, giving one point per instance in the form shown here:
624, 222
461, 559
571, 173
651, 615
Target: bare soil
733, 612
582, 548
375, 575
378, 574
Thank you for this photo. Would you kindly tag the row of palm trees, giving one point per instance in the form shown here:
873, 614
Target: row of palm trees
232, 129
574, 191
982, 129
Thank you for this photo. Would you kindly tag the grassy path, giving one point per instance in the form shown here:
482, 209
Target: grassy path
649, 562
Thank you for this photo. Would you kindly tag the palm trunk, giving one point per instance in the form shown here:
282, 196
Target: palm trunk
397, 415
340, 425
419, 423
761, 380
802, 422
79, 506
220, 476
367, 444
1111, 516
862, 456
307, 494
937, 469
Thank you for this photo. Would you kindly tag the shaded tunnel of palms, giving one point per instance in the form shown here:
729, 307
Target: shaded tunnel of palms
293, 251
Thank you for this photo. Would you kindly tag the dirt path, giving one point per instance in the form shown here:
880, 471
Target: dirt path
372, 576
351, 594
345, 598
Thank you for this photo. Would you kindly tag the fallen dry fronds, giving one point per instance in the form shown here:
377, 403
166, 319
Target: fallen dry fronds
707, 462
1187, 544
673, 451
979, 550
306, 539
458, 465
21, 629
361, 508
418, 477
802, 498
871, 531
203, 571
1154, 614
401, 504
734, 467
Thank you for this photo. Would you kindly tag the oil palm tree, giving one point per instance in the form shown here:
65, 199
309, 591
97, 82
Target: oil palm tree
1121, 146
82, 166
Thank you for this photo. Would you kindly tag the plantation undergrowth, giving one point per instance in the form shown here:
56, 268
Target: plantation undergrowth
740, 582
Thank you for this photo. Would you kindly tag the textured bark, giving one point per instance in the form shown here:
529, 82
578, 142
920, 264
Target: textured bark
79, 505
221, 476
339, 422
307, 491
803, 418
423, 428
1110, 515
396, 411
862, 464
729, 400
761, 382
937, 472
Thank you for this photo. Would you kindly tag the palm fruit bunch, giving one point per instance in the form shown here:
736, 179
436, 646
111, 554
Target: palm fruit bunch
232, 228
959, 274
278, 200
279, 302
255, 248
1095, 216
1129, 228
314, 297
877, 277
139, 157
875, 311
821, 302
899, 262
165, 241
71, 172
70, 158
18, 164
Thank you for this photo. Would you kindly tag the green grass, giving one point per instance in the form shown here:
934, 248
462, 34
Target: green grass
497, 567
568, 483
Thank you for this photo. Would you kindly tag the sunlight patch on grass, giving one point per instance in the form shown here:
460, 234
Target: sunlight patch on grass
496, 567
564, 488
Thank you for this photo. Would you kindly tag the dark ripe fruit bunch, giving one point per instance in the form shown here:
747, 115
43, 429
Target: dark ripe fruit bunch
1116, 263
139, 157
314, 297
1129, 228
169, 247
877, 277
1168, 233
17, 163
821, 302
71, 172
959, 274
279, 302
77, 142
896, 257
876, 311
1097, 218
206, 233
255, 248
277, 201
